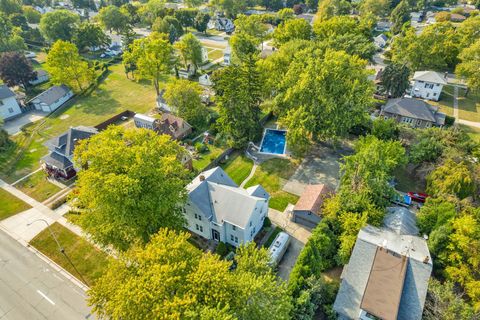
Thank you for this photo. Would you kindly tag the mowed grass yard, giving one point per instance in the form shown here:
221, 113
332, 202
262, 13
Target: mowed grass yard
10, 205
89, 261
469, 106
205, 158
238, 167
38, 187
114, 95
445, 103
272, 175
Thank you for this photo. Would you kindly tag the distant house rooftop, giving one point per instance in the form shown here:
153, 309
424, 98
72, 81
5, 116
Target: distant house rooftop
52, 94
429, 76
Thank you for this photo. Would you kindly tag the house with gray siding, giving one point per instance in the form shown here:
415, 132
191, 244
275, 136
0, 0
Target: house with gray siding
52, 98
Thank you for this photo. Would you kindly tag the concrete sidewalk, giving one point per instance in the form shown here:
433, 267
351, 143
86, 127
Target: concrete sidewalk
17, 225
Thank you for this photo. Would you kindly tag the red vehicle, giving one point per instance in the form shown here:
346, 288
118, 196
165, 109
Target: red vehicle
417, 196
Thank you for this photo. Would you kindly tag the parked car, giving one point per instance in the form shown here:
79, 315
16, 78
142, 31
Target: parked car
417, 196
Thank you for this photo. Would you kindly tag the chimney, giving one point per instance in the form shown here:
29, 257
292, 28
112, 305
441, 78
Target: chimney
202, 178
426, 259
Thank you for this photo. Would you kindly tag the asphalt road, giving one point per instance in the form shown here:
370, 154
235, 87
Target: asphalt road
30, 289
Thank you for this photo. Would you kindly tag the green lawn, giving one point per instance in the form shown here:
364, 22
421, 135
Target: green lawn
238, 167
211, 44
469, 107
10, 205
205, 158
114, 95
473, 132
38, 187
88, 260
215, 54
272, 175
445, 103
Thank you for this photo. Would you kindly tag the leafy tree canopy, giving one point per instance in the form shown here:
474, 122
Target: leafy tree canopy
177, 281
15, 69
131, 185
59, 25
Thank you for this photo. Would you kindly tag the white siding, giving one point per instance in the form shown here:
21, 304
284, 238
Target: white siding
9, 108
427, 90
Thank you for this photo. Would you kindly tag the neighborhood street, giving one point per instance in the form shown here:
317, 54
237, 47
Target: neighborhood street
31, 289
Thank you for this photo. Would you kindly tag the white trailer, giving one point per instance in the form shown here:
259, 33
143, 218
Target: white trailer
278, 248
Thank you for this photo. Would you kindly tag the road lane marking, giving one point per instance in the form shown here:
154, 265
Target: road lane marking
45, 296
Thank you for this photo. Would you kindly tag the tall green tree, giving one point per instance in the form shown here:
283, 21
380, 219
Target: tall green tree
435, 48
201, 21
59, 25
184, 97
470, 65
252, 25
65, 66
329, 8
395, 79
399, 16
15, 69
11, 39
177, 281
452, 179
89, 35
190, 49
322, 95
113, 19
131, 185
153, 57
238, 94
244, 47
292, 29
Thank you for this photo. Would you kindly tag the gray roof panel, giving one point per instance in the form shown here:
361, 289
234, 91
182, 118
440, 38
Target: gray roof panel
410, 107
6, 92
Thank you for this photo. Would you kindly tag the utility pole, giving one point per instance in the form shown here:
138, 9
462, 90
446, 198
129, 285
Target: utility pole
60, 248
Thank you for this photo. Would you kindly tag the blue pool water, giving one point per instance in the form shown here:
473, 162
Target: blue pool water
274, 141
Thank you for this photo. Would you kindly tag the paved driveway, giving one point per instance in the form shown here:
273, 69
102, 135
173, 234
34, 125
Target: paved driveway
322, 165
299, 236
14, 126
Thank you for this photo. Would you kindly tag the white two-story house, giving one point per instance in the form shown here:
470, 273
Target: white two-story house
217, 209
9, 107
427, 85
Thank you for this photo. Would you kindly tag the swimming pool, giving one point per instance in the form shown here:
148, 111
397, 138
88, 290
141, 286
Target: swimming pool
274, 141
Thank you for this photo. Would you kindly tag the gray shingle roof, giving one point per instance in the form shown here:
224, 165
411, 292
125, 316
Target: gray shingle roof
410, 107
65, 143
258, 191
356, 274
401, 221
219, 198
57, 160
5, 92
52, 94
429, 76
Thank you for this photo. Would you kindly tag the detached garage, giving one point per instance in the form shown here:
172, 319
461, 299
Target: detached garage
307, 210
52, 99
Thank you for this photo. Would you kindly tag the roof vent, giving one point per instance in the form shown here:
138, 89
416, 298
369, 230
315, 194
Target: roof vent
426, 259
202, 177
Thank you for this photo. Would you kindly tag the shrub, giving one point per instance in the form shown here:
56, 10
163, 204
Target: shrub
449, 121
385, 129
200, 147
221, 249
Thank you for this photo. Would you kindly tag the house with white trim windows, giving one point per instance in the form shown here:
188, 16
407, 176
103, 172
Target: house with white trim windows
217, 209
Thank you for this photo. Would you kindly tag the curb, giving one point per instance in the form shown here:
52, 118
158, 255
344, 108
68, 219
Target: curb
47, 260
